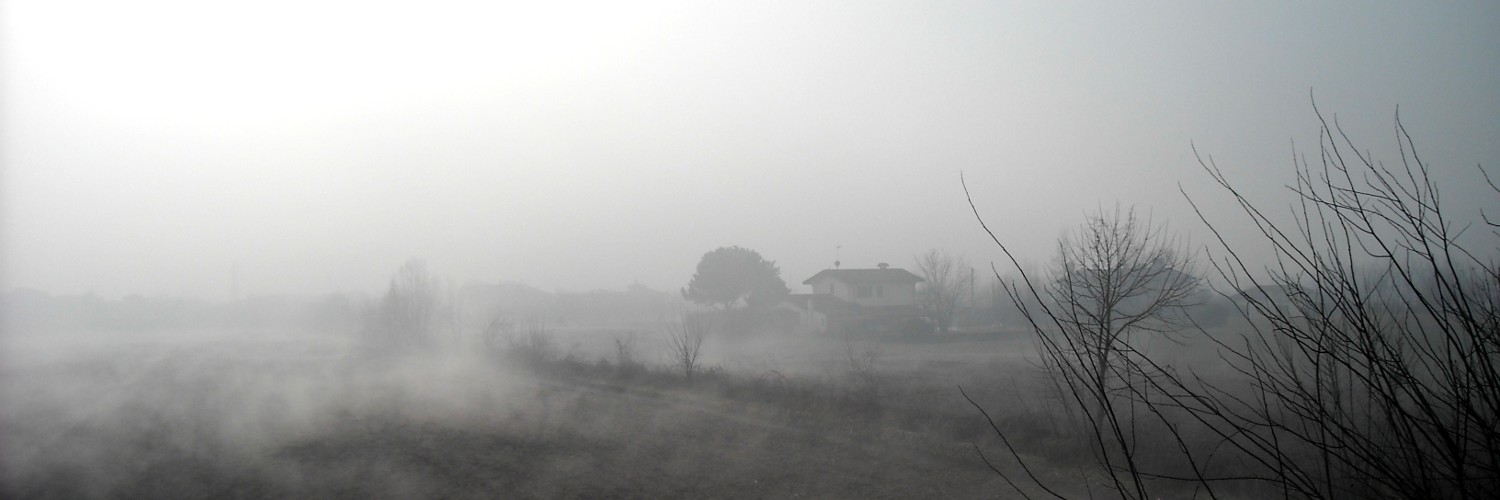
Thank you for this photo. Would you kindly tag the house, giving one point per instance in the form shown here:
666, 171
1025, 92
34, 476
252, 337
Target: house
880, 300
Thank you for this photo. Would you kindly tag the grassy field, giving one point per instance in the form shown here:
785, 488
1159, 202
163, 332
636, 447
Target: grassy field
256, 414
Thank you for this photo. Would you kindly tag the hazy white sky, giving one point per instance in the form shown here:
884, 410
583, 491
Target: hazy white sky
147, 147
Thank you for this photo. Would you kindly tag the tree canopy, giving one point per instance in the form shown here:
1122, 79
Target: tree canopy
729, 275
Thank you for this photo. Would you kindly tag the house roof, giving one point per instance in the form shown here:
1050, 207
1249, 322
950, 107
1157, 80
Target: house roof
866, 276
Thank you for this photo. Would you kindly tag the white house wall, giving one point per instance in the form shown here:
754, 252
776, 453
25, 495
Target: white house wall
838, 289
892, 294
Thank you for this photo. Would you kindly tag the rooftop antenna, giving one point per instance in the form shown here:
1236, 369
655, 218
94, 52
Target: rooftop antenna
837, 250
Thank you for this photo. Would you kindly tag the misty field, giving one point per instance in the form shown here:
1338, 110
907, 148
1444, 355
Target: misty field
234, 414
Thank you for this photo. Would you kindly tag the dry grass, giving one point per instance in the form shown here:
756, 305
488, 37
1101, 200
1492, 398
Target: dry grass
298, 418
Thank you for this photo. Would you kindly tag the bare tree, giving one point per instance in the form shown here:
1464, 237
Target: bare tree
625, 351
1379, 372
861, 362
945, 276
1116, 276
1368, 364
685, 342
405, 316
497, 332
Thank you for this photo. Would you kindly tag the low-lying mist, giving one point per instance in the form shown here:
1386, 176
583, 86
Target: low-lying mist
107, 414
587, 412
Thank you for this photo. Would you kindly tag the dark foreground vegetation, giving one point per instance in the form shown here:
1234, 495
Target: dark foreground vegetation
1366, 364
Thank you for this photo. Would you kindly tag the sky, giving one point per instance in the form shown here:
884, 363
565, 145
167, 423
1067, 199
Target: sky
151, 147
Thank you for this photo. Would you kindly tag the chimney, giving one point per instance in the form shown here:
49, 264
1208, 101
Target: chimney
882, 265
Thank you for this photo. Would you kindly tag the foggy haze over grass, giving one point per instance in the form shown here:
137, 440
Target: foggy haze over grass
377, 250
150, 147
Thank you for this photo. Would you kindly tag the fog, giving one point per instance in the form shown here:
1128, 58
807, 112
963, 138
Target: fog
205, 211
215, 403
151, 147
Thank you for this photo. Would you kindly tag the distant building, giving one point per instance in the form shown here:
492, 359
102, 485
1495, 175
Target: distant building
880, 300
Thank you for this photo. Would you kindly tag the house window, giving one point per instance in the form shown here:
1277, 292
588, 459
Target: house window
879, 291
866, 292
